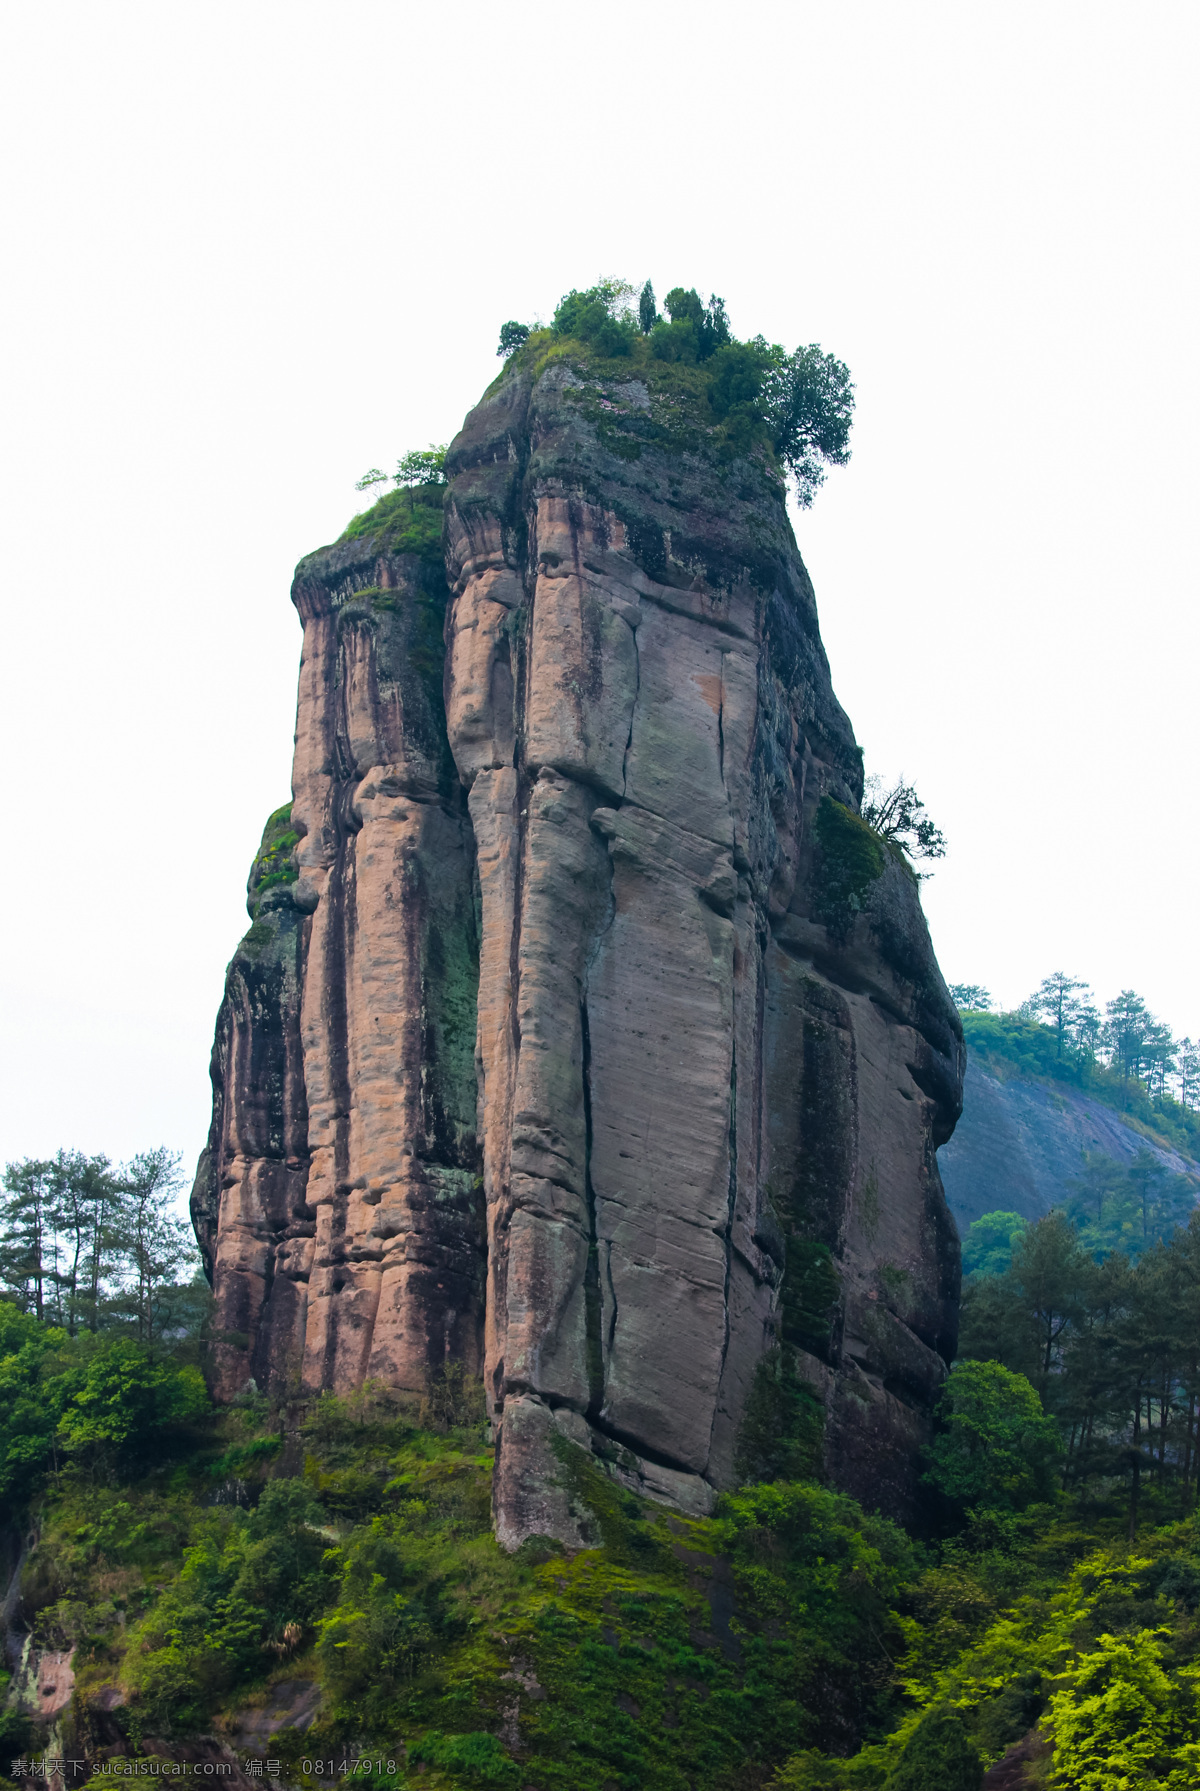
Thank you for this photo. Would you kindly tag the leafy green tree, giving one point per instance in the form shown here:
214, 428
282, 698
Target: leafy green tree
1098, 1194
939, 1755
382, 1628
1163, 1200
996, 1446
675, 341
696, 330
713, 332
738, 370
28, 1415
684, 305
1134, 1039
1123, 1721
795, 1546
513, 335
26, 1256
85, 1195
990, 1328
1093, 1396
16, 1735
247, 1586
422, 466
988, 1245
373, 483
1128, 1206
1049, 1275
1187, 1070
599, 316
156, 1246
120, 1402
1086, 1031
809, 402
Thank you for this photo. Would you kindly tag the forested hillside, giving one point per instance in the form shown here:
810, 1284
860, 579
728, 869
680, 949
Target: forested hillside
305, 1581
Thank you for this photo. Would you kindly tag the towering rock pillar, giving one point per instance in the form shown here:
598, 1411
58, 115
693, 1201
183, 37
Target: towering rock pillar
600, 1045
716, 1054
346, 1235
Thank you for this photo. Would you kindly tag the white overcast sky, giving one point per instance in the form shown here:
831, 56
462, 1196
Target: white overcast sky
252, 249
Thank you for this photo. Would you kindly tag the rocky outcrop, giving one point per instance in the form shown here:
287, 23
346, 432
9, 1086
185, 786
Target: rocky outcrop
617, 857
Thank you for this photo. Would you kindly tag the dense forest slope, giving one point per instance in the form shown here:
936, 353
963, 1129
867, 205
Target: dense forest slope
310, 1590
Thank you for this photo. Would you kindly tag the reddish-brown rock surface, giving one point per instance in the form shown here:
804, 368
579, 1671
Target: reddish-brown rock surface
590, 1039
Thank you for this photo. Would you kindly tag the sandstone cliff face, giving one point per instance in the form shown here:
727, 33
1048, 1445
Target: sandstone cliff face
713, 1056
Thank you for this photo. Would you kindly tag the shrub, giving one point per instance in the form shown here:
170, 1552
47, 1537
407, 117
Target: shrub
408, 520
478, 1757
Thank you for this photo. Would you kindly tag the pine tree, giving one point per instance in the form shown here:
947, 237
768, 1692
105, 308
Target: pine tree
1058, 1002
647, 309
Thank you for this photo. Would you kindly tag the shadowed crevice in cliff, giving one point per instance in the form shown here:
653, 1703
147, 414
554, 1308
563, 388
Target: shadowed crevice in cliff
595, 1347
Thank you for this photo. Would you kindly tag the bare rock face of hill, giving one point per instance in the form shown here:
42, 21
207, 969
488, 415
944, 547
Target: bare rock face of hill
596, 1043
1019, 1142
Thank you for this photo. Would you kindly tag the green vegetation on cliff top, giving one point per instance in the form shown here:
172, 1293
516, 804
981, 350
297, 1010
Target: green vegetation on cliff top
407, 520
744, 396
713, 394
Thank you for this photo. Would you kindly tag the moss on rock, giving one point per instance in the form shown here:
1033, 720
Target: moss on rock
405, 521
852, 859
274, 865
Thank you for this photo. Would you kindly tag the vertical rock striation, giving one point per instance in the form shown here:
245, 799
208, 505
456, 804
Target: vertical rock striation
685, 1193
